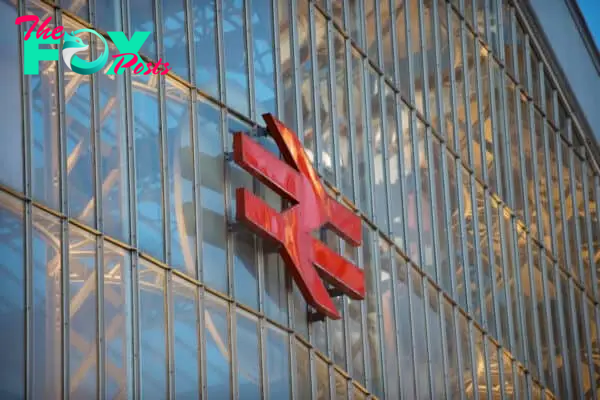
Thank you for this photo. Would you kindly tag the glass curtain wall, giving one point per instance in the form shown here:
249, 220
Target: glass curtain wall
438, 122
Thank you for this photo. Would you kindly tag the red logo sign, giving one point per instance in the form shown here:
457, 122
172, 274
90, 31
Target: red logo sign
308, 259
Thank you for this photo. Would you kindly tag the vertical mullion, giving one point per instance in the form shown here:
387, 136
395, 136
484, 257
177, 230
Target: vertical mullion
220, 51
410, 322
393, 38
518, 291
453, 105
394, 278
399, 134
417, 179
466, 96
442, 310
505, 255
588, 227
202, 343
295, 57
577, 367
169, 333
480, 104
550, 330
438, 72
101, 334
459, 353
197, 191
423, 52
463, 233
315, 88
573, 189
247, 10
448, 222
135, 343
383, 126
434, 208
471, 329
233, 349
563, 328
427, 316
409, 55
532, 289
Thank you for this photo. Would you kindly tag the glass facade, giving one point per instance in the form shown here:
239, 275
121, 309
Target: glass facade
439, 122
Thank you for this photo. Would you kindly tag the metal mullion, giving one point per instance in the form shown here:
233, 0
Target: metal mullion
492, 263
295, 57
505, 138
164, 170
276, 58
551, 342
197, 192
247, 4
417, 180
101, 345
315, 88
528, 66
383, 115
588, 346
201, 342
480, 104
434, 208
548, 135
503, 234
363, 327
66, 392
399, 135
377, 270
262, 350
563, 328
368, 135
227, 199
588, 228
232, 322
532, 289
523, 171
597, 223
409, 56
423, 51
578, 373
220, 51
471, 329
409, 268
466, 95
394, 278
292, 366
563, 213
169, 333
135, 343
459, 353
378, 37
424, 287
448, 221
478, 263
463, 233
313, 373
536, 176
453, 106
488, 375
333, 102
446, 364
437, 71
351, 126
573, 190
518, 291
393, 41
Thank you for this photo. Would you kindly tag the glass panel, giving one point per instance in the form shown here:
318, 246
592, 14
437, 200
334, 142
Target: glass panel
118, 334
152, 324
361, 140
305, 79
570, 355
434, 334
185, 339
83, 332
444, 68
343, 127
485, 272
385, 25
371, 17
327, 158
528, 148
394, 155
460, 76
287, 101
373, 342
527, 304
480, 363
303, 387
424, 193
377, 153
79, 146
429, 26
181, 179
419, 333
554, 326
594, 345
417, 54
451, 346
465, 349
214, 247
322, 373
456, 220
521, 61
439, 213
569, 230
79, 8
114, 170
389, 319
472, 54
277, 364
236, 56
514, 151
509, 41
47, 323
410, 187
175, 40
537, 275
261, 17
44, 132
499, 170
509, 384
204, 30
108, 15
248, 368
405, 346
402, 63
356, 21
12, 304
498, 275
341, 387
244, 260
218, 362
143, 18
471, 268
11, 113
494, 370
148, 167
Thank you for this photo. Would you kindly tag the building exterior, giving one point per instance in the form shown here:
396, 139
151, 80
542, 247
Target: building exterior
450, 128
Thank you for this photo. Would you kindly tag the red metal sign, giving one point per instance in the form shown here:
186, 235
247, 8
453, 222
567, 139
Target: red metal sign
294, 178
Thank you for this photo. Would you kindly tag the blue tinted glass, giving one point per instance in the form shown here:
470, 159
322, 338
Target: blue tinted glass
148, 168
175, 39
278, 369
236, 55
108, 15
152, 320
12, 307
204, 29
262, 46
185, 339
11, 137
217, 353
248, 356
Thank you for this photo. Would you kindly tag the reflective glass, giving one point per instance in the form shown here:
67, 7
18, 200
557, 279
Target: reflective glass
143, 18
341, 387
83, 332
11, 113
117, 298
344, 140
434, 335
148, 168
185, 338
261, 18
277, 364
175, 40
236, 55
204, 31
47, 317
217, 361
420, 333
452, 351
287, 101
248, 368
305, 80
387, 297
377, 152
152, 326
108, 15
322, 375
302, 371
12, 305
180, 169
